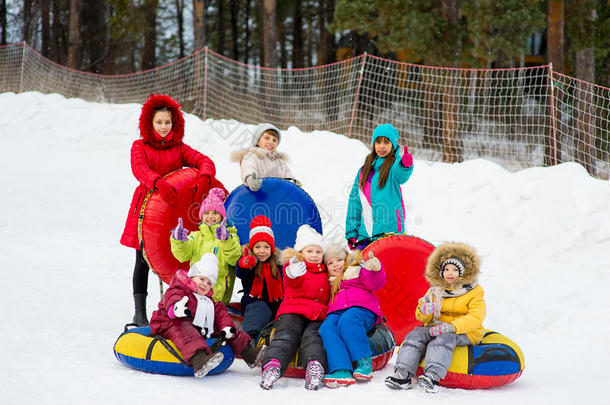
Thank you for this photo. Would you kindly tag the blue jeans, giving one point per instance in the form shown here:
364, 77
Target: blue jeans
344, 336
257, 315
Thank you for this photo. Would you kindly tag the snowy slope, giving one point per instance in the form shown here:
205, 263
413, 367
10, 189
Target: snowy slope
66, 184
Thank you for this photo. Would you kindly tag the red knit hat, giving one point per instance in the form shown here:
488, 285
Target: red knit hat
260, 230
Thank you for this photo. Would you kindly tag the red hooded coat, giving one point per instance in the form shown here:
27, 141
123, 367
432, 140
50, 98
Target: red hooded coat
308, 294
153, 157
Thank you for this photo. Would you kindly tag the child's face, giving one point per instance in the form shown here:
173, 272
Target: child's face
162, 123
383, 146
262, 250
451, 273
211, 217
313, 254
204, 284
335, 265
268, 141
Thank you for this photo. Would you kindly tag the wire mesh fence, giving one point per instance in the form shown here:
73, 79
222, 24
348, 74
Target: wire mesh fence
516, 117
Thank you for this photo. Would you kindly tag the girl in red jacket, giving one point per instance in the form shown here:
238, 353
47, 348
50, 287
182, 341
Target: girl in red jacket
306, 294
187, 315
159, 152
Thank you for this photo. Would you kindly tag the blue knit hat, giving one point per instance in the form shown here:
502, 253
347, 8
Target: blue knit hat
388, 131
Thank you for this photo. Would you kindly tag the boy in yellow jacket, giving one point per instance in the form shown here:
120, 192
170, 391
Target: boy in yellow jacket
452, 311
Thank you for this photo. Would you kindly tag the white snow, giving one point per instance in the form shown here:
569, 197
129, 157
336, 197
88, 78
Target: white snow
66, 184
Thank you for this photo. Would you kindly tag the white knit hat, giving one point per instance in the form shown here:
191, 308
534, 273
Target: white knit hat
306, 236
261, 129
206, 266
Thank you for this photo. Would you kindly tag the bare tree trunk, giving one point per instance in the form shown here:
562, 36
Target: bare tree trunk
198, 25
96, 35
220, 46
26, 31
149, 59
247, 31
281, 32
180, 20
328, 51
55, 30
555, 34
45, 27
297, 37
73, 35
269, 33
234, 8
3, 22
309, 40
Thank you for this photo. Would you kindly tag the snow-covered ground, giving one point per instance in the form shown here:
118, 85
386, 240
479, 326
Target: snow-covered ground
66, 184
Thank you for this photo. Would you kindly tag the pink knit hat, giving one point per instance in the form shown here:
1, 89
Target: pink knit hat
214, 201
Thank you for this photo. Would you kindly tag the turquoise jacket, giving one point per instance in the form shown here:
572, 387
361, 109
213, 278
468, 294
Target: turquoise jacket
383, 210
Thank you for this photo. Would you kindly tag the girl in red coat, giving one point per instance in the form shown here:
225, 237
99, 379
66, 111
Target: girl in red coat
306, 294
187, 315
159, 152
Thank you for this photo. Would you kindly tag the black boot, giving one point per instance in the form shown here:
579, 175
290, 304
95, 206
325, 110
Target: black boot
203, 363
253, 355
140, 318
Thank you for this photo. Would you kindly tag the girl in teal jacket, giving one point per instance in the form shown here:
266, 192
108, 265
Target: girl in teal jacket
375, 203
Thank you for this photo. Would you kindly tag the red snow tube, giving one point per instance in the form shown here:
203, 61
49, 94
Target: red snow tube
404, 258
158, 218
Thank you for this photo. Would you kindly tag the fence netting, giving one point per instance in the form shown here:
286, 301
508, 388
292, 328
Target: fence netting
519, 118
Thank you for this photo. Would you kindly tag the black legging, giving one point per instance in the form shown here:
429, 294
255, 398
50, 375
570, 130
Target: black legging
140, 274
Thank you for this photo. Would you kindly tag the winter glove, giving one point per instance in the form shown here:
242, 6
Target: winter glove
222, 233
352, 242
179, 233
201, 184
407, 158
227, 332
427, 308
168, 192
372, 264
179, 310
296, 269
351, 272
253, 182
247, 261
441, 328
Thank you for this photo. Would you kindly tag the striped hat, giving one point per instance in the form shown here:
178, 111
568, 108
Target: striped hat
260, 230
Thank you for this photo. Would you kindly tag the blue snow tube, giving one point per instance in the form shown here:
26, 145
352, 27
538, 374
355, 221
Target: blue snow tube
138, 349
287, 205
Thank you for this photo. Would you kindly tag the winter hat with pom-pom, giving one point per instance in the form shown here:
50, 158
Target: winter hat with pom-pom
336, 249
260, 230
214, 201
306, 236
206, 266
261, 129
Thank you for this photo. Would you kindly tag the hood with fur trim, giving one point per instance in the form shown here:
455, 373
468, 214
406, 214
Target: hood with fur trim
260, 153
465, 253
288, 254
152, 104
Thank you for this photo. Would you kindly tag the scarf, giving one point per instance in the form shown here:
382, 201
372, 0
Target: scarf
436, 295
204, 315
274, 285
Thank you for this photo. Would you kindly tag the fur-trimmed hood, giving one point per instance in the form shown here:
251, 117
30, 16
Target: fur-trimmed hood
260, 153
152, 104
466, 254
288, 254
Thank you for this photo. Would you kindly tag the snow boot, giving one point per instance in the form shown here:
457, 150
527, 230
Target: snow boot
140, 318
400, 380
271, 373
339, 378
203, 363
428, 383
364, 369
313, 375
253, 355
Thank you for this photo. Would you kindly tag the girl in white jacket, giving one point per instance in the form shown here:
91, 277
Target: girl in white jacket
262, 159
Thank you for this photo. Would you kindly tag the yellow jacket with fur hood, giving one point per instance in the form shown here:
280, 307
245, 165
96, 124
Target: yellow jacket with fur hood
465, 312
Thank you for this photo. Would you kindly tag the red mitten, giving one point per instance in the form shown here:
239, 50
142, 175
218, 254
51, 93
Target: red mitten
168, 192
200, 185
247, 261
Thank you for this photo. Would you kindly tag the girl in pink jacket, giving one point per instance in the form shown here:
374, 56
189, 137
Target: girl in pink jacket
353, 310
